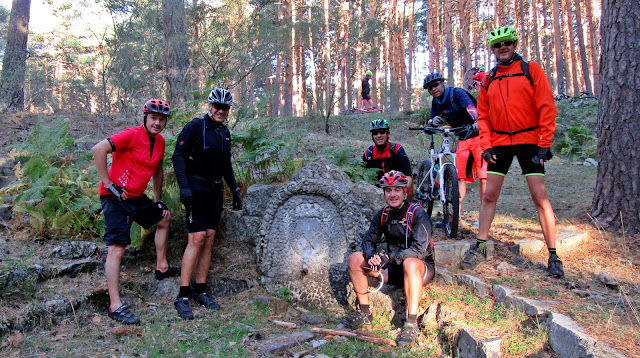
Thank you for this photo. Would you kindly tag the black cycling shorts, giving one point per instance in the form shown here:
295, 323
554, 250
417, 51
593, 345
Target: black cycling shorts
396, 274
366, 97
206, 206
119, 215
524, 153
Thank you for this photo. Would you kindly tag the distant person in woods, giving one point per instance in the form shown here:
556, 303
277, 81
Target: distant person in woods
457, 107
137, 155
202, 158
387, 155
516, 116
405, 228
478, 77
366, 91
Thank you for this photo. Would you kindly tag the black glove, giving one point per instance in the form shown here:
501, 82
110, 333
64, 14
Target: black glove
115, 190
395, 256
237, 199
162, 205
186, 197
544, 154
489, 155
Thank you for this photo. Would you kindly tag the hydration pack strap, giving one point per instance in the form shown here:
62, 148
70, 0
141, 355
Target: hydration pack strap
518, 131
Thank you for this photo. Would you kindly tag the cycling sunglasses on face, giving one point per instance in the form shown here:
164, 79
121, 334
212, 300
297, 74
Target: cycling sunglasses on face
382, 131
431, 87
221, 106
503, 43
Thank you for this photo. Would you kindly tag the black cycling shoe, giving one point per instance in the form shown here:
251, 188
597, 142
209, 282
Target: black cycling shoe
473, 258
408, 335
554, 267
357, 319
203, 299
182, 306
124, 315
171, 272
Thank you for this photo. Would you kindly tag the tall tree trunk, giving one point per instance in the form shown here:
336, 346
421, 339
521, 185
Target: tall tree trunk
176, 55
570, 44
535, 27
617, 195
547, 47
449, 45
327, 63
557, 45
464, 10
287, 106
592, 25
411, 49
15, 58
312, 59
586, 73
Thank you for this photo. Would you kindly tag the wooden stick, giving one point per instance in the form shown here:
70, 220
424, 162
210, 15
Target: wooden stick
335, 332
285, 324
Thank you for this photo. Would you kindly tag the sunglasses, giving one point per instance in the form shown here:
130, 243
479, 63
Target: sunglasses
383, 131
431, 87
503, 43
221, 106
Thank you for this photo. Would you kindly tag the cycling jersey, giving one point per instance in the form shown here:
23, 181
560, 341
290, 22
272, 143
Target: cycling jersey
418, 244
453, 108
512, 111
135, 158
479, 76
390, 157
365, 89
203, 149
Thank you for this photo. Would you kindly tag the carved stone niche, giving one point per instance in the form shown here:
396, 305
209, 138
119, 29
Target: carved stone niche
309, 228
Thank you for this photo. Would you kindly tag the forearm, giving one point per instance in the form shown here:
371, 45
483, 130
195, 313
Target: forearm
157, 182
100, 153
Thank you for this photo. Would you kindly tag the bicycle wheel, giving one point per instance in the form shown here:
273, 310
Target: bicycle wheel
452, 201
423, 188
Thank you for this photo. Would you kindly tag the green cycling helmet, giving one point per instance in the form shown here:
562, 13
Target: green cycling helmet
503, 33
378, 124
369, 73
482, 69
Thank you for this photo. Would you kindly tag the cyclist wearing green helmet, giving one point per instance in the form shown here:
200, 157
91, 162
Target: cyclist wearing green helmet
387, 155
516, 117
366, 91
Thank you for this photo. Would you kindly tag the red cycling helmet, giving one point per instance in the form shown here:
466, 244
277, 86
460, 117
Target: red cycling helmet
394, 178
157, 106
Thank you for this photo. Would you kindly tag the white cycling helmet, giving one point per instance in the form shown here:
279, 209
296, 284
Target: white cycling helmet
220, 95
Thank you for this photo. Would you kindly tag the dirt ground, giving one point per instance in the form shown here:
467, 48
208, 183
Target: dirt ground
608, 315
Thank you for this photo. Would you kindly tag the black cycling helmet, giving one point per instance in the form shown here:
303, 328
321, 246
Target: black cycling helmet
432, 78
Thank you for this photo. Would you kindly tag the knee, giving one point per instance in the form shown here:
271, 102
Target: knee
356, 259
411, 266
164, 223
490, 197
115, 252
197, 240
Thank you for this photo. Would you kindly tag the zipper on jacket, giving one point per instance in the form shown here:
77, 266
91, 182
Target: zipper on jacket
506, 109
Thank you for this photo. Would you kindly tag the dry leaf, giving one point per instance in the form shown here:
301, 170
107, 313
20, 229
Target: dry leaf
16, 340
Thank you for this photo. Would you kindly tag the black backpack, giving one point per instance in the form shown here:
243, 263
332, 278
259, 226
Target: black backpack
408, 221
525, 72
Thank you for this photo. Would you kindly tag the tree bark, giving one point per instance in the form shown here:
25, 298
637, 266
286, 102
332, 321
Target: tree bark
573, 60
557, 45
592, 25
15, 58
176, 52
616, 199
586, 73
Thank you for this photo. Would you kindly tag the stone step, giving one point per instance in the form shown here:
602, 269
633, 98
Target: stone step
452, 252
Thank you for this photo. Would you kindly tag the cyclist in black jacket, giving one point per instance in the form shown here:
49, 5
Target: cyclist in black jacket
201, 159
406, 229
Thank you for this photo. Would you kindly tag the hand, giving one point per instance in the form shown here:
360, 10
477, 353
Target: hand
186, 198
395, 256
164, 207
475, 128
237, 200
489, 155
437, 121
117, 190
375, 263
544, 154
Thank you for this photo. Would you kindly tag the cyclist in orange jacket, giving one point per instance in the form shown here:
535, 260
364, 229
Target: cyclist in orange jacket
516, 117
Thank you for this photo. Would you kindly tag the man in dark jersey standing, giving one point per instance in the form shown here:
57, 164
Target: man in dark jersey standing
387, 155
137, 155
201, 159
366, 91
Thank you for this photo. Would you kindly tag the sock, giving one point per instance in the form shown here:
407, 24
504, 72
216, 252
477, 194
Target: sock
185, 291
480, 242
552, 251
200, 287
365, 309
412, 318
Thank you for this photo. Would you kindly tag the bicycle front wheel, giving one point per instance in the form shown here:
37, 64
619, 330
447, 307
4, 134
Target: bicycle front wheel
451, 203
424, 187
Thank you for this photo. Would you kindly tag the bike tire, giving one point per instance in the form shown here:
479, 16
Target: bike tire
424, 197
451, 204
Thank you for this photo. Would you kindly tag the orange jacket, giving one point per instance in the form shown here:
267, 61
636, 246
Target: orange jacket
511, 104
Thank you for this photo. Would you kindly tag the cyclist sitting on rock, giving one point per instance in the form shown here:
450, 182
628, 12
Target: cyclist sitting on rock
517, 118
406, 229
457, 107
387, 155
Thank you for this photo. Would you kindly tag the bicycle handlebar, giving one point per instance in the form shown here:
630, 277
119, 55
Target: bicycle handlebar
440, 130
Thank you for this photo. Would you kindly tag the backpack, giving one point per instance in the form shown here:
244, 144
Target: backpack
408, 221
393, 150
471, 97
525, 72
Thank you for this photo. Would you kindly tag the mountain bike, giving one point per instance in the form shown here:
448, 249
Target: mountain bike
437, 178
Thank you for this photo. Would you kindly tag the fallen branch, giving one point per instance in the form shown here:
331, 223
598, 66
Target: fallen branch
335, 332
285, 324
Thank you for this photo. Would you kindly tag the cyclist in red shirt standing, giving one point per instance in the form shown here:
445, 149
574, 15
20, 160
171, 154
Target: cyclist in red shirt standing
137, 155
478, 77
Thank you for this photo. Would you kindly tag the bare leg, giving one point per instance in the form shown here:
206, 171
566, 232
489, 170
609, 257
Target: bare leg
112, 271
204, 260
462, 189
191, 255
489, 203
414, 270
162, 234
359, 277
540, 198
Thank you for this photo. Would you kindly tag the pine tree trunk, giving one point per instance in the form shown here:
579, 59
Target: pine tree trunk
557, 45
571, 48
449, 45
616, 201
15, 57
534, 31
177, 52
592, 25
287, 93
586, 73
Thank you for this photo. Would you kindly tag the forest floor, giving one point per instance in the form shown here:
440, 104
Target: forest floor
236, 330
